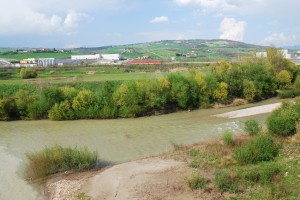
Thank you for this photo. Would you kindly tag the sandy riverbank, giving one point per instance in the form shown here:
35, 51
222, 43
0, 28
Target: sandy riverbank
251, 111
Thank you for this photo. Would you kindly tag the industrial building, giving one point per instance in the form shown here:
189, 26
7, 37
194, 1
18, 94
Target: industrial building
86, 57
45, 62
112, 57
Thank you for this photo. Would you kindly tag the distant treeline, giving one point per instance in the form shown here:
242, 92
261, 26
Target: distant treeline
253, 80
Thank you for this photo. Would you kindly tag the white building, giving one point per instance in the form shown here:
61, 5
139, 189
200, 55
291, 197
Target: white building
261, 54
285, 53
45, 62
86, 57
111, 57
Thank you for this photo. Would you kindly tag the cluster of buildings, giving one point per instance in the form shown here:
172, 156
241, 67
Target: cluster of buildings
294, 56
74, 60
285, 53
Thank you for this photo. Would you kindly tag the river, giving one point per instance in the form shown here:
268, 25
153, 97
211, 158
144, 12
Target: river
116, 140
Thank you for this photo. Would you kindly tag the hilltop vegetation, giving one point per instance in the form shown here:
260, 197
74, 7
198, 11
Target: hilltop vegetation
186, 50
181, 50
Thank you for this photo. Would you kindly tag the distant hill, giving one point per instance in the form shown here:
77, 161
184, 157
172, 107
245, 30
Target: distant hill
180, 50
295, 47
167, 50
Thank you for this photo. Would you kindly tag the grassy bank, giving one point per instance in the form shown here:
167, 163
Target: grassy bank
216, 170
58, 159
261, 165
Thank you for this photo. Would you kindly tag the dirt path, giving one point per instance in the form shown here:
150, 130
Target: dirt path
251, 111
147, 179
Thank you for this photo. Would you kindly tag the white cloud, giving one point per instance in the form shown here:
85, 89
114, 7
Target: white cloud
279, 39
223, 6
207, 4
159, 20
288, 8
232, 29
72, 20
19, 17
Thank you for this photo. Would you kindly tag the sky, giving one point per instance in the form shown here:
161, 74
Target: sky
94, 23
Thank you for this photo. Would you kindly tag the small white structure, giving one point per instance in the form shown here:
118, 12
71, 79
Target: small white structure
45, 62
261, 54
285, 53
111, 57
86, 57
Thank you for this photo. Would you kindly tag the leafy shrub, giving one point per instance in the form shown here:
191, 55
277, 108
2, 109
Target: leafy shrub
83, 100
249, 90
196, 181
259, 149
58, 159
8, 109
23, 99
284, 77
221, 93
179, 90
228, 139
283, 120
51, 96
26, 73
252, 127
297, 82
37, 109
226, 182
131, 98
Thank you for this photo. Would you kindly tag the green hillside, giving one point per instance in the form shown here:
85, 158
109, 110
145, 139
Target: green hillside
186, 50
167, 50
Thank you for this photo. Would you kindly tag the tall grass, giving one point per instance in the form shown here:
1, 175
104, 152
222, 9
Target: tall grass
58, 159
259, 149
252, 127
228, 139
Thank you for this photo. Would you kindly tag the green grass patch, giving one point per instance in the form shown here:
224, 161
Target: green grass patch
58, 159
196, 182
289, 93
228, 139
262, 148
202, 159
226, 181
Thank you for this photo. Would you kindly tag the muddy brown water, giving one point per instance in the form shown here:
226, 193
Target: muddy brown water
117, 140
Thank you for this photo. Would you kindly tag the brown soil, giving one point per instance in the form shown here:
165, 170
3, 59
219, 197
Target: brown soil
158, 178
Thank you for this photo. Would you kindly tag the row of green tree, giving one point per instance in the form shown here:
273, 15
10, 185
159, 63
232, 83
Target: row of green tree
252, 80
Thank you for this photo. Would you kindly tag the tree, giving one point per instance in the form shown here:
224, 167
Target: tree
23, 99
249, 90
83, 100
275, 58
284, 78
221, 93
179, 90
8, 109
